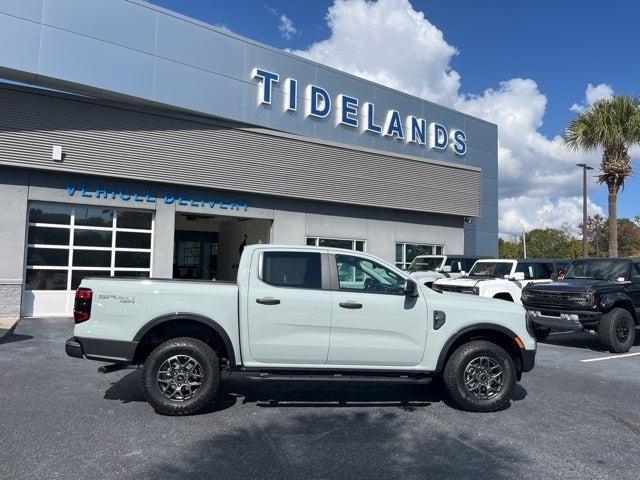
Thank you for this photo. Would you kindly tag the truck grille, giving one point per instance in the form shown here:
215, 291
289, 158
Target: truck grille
452, 288
550, 299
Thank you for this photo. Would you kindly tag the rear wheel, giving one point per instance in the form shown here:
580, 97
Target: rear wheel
181, 376
616, 330
480, 376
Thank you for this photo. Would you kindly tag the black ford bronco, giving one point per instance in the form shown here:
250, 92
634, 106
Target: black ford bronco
601, 296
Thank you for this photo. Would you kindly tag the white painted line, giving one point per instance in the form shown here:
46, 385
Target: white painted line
609, 358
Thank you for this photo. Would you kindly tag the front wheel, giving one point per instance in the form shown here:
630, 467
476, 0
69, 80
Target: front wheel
616, 330
181, 376
480, 376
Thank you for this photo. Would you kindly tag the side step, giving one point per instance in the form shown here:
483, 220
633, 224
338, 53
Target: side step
332, 376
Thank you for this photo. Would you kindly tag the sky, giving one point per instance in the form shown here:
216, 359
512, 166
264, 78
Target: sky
529, 67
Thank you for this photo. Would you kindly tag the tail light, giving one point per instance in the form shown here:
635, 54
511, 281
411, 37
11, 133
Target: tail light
82, 306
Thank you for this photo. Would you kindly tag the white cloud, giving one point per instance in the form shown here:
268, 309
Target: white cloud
592, 95
286, 27
391, 43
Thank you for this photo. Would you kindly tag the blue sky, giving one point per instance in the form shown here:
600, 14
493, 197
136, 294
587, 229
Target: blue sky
561, 46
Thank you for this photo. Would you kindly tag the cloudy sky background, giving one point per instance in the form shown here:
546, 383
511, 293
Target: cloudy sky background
395, 43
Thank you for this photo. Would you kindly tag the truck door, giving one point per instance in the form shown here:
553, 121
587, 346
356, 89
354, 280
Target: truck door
633, 288
373, 322
289, 311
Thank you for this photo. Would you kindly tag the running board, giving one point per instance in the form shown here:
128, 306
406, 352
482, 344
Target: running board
332, 377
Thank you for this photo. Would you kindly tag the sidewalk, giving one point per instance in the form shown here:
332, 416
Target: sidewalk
6, 326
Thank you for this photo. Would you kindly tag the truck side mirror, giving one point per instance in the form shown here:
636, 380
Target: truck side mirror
518, 276
410, 288
446, 269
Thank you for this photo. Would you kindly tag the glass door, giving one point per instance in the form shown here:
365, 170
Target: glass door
195, 255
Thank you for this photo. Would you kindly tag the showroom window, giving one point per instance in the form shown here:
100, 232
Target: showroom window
406, 252
357, 245
66, 243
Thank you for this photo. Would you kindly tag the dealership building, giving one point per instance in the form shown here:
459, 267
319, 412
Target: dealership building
138, 142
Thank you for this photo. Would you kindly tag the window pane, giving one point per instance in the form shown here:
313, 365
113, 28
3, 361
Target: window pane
94, 216
129, 219
49, 236
133, 240
399, 247
413, 250
92, 238
50, 213
133, 259
78, 275
48, 256
46, 280
311, 241
363, 275
132, 274
292, 269
91, 258
360, 246
336, 243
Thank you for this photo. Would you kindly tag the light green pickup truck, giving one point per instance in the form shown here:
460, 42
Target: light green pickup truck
302, 313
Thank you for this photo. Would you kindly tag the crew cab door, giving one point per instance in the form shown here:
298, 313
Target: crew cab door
373, 322
289, 311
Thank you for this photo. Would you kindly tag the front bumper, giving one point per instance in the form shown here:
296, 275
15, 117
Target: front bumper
528, 360
564, 319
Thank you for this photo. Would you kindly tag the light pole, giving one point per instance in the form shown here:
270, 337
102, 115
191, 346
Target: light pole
584, 168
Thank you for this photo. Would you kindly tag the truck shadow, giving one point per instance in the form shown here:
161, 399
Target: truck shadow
313, 394
580, 340
352, 444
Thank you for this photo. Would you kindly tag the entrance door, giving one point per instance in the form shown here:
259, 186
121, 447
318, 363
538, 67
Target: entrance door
195, 255
373, 322
289, 313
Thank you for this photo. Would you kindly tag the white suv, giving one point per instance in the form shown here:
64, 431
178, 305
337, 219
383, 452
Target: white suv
426, 269
501, 278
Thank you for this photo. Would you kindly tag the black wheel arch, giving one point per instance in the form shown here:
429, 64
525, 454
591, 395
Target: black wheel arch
498, 334
191, 317
618, 300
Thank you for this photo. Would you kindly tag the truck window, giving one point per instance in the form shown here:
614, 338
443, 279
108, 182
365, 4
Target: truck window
535, 271
362, 275
292, 269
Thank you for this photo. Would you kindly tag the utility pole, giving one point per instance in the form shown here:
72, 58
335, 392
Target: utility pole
524, 242
584, 168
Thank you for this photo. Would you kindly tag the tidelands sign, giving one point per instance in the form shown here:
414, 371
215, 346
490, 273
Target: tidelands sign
351, 113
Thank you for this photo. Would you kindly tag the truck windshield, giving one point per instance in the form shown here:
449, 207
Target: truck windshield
491, 269
598, 269
425, 263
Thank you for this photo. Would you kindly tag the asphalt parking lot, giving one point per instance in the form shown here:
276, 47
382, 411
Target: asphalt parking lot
577, 415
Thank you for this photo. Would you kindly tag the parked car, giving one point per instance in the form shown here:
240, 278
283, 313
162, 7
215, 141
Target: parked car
301, 313
501, 278
428, 268
596, 295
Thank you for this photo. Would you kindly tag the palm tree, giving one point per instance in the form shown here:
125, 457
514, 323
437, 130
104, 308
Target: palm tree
613, 125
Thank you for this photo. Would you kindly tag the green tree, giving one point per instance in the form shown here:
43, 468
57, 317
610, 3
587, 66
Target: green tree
628, 237
552, 243
509, 248
612, 125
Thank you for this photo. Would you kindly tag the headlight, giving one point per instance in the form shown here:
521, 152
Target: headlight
582, 299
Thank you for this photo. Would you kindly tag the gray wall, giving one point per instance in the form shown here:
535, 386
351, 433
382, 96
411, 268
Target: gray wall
132, 50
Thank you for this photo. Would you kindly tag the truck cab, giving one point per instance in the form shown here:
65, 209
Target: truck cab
308, 312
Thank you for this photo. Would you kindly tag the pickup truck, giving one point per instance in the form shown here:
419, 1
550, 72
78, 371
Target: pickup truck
301, 313
600, 296
501, 278
426, 269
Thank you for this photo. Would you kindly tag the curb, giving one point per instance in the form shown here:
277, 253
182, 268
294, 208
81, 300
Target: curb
4, 332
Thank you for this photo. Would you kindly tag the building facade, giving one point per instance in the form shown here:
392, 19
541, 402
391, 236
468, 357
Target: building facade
144, 143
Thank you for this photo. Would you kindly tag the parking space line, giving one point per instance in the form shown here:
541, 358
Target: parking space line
610, 357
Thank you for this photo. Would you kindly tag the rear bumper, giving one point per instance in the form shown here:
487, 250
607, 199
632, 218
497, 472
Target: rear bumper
98, 349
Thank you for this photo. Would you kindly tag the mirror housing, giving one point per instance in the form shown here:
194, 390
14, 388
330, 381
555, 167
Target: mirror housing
410, 288
518, 276
446, 269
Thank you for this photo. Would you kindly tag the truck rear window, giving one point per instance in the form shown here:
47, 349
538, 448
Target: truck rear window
292, 269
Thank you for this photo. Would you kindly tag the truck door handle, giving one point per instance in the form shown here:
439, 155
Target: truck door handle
267, 301
350, 305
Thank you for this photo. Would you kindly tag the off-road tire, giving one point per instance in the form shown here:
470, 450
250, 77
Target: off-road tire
454, 376
541, 333
617, 321
210, 366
